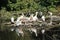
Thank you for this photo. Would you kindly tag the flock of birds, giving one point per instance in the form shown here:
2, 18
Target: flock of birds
25, 19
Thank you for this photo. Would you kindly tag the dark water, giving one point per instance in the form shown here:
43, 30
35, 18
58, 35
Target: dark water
49, 35
7, 35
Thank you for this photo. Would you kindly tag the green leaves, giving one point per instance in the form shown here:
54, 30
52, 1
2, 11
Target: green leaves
20, 5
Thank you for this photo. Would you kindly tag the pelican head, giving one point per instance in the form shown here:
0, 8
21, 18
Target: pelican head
43, 18
12, 19
50, 13
36, 13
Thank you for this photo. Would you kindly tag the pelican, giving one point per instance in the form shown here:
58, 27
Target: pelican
18, 19
12, 20
35, 18
33, 30
18, 22
22, 16
50, 17
31, 17
19, 31
43, 18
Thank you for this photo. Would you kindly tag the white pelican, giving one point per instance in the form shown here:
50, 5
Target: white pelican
19, 31
12, 20
43, 18
35, 18
22, 16
19, 20
18, 23
33, 30
31, 17
22, 19
50, 18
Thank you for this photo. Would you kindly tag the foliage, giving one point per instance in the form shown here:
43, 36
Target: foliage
26, 5
23, 5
